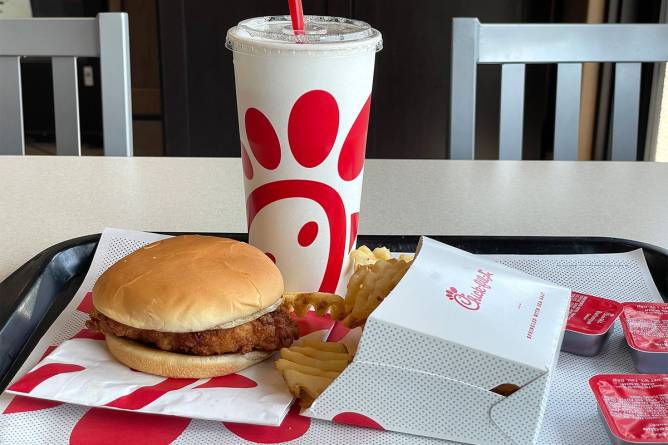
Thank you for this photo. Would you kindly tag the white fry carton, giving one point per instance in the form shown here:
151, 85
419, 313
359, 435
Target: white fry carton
455, 327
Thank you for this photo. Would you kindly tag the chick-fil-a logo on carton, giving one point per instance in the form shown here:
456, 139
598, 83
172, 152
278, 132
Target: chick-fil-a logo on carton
481, 284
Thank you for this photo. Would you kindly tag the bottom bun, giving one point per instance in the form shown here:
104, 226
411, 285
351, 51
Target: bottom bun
171, 364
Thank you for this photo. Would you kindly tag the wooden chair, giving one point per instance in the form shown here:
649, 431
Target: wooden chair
514, 45
65, 39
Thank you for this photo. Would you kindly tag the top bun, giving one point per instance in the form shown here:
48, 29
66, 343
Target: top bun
189, 283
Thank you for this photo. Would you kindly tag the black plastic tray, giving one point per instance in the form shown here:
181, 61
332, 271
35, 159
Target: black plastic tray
35, 294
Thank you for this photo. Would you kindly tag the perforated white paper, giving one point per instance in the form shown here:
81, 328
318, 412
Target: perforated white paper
571, 416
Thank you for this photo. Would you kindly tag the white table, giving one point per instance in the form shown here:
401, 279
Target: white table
44, 200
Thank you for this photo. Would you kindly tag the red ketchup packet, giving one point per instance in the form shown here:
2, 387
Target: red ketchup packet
646, 326
589, 324
633, 406
591, 315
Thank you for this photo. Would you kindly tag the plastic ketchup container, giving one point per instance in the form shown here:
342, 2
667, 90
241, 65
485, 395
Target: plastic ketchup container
634, 407
590, 323
646, 330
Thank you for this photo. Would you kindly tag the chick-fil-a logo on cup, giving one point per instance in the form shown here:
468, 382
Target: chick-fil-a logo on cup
481, 284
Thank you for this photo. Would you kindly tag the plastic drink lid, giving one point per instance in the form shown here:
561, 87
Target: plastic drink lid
274, 35
634, 406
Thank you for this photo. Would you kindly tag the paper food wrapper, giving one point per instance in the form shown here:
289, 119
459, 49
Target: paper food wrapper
456, 327
82, 371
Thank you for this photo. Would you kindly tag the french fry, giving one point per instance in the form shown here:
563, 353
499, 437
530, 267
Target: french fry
406, 257
283, 364
325, 346
305, 387
330, 365
309, 369
319, 354
382, 253
363, 256
352, 291
321, 302
300, 383
369, 286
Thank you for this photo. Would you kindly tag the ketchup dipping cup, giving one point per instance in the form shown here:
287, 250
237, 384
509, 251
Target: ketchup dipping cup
646, 330
590, 323
634, 407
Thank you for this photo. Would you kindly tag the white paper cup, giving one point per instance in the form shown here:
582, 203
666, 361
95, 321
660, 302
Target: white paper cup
303, 113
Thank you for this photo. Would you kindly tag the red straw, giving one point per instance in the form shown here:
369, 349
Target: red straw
297, 16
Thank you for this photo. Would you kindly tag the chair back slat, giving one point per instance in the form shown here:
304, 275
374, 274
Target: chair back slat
463, 88
558, 43
66, 105
567, 111
568, 45
11, 107
116, 90
625, 112
512, 111
49, 37
63, 40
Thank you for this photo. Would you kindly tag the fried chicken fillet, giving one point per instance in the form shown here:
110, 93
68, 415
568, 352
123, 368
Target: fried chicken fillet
270, 332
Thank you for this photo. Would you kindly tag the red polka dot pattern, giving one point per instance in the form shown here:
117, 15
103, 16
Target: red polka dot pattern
354, 221
307, 234
312, 127
246, 163
292, 427
262, 139
351, 159
111, 427
357, 420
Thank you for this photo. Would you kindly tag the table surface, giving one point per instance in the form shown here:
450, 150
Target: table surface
47, 199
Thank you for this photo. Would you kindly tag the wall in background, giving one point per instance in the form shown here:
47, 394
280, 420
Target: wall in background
410, 102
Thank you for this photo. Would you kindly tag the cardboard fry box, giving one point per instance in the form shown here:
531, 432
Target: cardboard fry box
454, 328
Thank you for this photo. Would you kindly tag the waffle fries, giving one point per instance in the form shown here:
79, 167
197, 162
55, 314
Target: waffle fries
369, 286
376, 274
310, 368
321, 303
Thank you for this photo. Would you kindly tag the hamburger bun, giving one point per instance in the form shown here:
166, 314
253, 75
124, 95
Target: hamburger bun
171, 364
190, 283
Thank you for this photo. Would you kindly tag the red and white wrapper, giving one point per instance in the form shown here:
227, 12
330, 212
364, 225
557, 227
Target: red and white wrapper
634, 407
82, 371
